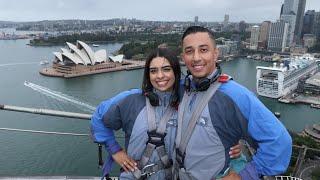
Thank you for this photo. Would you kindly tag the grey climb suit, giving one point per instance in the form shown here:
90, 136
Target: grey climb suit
130, 114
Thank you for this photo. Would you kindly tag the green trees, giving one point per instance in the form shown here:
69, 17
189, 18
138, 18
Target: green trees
143, 45
316, 174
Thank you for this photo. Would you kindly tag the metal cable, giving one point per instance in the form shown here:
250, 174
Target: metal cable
48, 132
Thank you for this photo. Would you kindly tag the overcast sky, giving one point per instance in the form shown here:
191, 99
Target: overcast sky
164, 10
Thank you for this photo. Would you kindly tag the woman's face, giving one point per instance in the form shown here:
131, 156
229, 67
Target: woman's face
161, 74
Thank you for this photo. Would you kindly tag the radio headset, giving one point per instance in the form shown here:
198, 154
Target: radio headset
153, 98
203, 84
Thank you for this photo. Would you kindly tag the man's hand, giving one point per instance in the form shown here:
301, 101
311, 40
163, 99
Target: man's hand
232, 176
235, 151
125, 161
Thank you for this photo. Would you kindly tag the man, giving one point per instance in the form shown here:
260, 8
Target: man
230, 113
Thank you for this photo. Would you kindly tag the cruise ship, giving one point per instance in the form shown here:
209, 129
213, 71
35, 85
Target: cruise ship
281, 79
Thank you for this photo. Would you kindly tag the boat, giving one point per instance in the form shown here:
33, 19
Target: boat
95, 45
315, 106
277, 114
44, 62
284, 100
280, 80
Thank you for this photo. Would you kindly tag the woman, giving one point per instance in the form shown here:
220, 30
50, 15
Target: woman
149, 120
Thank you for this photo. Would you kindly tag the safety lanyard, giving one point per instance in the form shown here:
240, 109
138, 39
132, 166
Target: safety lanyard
184, 137
156, 135
151, 118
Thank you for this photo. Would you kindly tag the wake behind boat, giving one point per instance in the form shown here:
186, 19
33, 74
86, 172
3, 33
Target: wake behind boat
44, 62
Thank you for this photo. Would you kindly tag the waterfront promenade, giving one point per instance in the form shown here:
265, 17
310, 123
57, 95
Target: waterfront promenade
300, 98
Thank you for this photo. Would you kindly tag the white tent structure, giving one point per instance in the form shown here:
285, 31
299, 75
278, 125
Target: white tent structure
80, 53
118, 58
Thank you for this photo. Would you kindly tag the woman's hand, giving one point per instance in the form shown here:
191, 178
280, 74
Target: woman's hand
125, 161
232, 176
235, 151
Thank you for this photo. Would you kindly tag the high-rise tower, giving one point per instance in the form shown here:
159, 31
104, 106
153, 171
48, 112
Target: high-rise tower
299, 20
254, 37
294, 8
264, 34
278, 36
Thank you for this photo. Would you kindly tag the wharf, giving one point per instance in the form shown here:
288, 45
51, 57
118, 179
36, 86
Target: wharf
313, 132
300, 98
57, 70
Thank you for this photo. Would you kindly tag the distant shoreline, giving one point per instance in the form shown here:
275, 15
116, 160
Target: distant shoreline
61, 44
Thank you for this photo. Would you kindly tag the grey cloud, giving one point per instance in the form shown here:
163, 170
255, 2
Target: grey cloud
184, 10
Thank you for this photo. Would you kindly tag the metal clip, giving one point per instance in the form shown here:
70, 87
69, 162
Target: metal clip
145, 171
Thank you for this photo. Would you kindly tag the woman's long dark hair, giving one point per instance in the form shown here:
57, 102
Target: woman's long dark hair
174, 62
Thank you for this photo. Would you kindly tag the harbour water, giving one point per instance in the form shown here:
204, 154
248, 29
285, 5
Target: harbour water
39, 154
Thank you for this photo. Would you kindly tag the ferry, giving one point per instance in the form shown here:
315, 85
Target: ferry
315, 106
95, 45
280, 80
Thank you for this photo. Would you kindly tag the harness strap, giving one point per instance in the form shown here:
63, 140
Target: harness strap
155, 142
146, 154
163, 155
203, 101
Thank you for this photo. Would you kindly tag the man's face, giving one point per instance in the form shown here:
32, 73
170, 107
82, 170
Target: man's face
199, 54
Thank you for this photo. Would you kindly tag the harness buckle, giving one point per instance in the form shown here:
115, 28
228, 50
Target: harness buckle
148, 170
156, 138
180, 158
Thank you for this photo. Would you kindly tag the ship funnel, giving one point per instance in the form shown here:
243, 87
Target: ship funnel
286, 64
281, 65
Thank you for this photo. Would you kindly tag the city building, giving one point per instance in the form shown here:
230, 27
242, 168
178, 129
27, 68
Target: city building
224, 50
242, 26
290, 6
234, 47
299, 20
254, 37
278, 36
310, 85
281, 11
309, 40
196, 20
226, 20
295, 8
298, 50
264, 34
291, 20
308, 22
316, 25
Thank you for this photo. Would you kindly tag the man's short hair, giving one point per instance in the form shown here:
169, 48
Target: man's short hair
196, 29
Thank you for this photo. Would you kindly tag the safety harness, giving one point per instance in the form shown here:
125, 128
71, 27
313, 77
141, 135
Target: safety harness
156, 143
184, 137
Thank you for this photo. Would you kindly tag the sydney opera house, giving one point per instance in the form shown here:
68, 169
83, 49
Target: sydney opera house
79, 59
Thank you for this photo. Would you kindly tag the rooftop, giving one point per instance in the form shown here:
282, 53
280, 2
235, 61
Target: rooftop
314, 80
